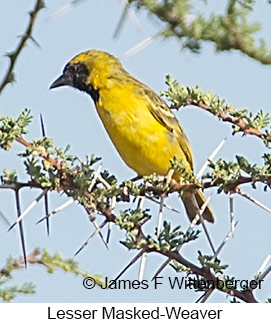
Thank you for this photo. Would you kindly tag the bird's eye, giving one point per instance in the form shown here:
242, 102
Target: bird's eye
71, 68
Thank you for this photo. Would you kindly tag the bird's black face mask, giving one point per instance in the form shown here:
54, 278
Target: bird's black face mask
75, 75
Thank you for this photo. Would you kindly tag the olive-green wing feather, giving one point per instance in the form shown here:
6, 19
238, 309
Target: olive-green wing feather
162, 113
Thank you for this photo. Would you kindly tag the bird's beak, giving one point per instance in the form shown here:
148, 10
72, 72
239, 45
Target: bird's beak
64, 79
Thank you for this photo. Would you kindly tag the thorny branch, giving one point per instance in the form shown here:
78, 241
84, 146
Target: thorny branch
67, 180
239, 122
142, 240
13, 56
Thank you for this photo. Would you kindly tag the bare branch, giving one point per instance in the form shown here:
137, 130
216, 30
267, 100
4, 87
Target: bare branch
13, 56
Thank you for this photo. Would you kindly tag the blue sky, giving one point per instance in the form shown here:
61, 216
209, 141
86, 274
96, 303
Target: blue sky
70, 118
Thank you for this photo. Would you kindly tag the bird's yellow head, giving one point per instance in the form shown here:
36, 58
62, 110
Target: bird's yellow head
89, 72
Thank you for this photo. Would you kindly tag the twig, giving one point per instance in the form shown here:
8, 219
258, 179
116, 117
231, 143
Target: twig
13, 56
44, 154
19, 185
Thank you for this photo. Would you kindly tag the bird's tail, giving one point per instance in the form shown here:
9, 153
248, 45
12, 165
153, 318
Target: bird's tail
193, 202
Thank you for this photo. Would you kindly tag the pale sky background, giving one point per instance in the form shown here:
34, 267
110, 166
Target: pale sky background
70, 118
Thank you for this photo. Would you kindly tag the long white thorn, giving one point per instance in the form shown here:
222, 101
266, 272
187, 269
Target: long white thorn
91, 237
29, 208
110, 224
4, 218
190, 228
58, 209
203, 224
265, 273
169, 207
96, 174
140, 203
65, 9
127, 12
208, 236
100, 233
224, 241
103, 181
160, 216
162, 203
253, 200
264, 264
231, 213
109, 230
130, 263
131, 14
198, 216
139, 46
142, 266
211, 157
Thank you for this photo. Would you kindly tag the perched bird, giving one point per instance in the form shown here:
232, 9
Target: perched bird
142, 127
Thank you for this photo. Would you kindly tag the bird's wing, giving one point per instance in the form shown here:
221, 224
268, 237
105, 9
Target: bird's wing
162, 113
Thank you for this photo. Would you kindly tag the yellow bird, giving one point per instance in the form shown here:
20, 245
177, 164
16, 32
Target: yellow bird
142, 127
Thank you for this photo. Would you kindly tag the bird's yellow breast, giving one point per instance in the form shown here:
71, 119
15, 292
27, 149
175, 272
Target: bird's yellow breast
143, 143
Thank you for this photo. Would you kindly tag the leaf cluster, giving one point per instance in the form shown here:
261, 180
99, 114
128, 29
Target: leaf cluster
41, 258
241, 119
11, 128
194, 25
227, 176
170, 239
